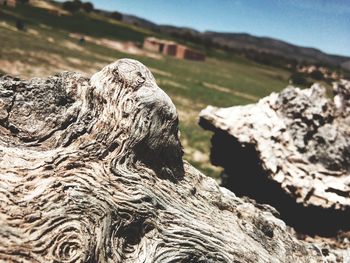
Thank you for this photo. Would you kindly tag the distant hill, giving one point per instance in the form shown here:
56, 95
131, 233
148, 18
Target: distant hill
274, 46
257, 48
137, 21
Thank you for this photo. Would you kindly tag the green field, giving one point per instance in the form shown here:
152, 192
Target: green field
46, 46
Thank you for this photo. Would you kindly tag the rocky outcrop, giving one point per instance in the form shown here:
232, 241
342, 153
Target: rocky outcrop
290, 150
92, 171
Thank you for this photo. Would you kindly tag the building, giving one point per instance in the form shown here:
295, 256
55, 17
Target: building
155, 44
11, 3
165, 47
183, 52
170, 49
152, 44
173, 49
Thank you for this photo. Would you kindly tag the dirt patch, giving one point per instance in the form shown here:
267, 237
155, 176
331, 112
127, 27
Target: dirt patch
17, 68
76, 47
125, 47
17, 51
47, 5
75, 61
8, 26
45, 26
34, 65
170, 83
160, 72
230, 91
33, 32
72, 46
199, 156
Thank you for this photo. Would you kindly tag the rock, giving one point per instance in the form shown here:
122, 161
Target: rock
290, 150
92, 171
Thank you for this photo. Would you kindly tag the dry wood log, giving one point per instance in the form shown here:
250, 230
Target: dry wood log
92, 171
290, 150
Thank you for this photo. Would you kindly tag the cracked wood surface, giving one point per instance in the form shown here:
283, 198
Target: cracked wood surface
92, 171
299, 142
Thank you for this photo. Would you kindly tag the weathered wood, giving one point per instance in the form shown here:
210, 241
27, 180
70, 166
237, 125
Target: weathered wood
92, 171
291, 150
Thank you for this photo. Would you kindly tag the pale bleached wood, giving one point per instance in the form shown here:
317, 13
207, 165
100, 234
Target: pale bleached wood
92, 171
298, 143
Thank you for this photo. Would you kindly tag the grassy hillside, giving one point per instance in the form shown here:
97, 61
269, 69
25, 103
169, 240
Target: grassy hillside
47, 46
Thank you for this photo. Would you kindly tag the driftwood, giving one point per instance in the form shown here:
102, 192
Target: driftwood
92, 171
291, 150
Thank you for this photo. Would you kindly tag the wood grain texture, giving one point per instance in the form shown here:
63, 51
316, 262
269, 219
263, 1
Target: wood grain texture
298, 143
92, 171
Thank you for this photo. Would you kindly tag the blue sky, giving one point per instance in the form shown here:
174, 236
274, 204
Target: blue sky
324, 24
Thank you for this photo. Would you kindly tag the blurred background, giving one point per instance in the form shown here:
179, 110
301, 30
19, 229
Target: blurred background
202, 52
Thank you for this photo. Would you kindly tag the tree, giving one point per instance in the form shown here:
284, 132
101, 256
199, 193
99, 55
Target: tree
87, 7
298, 78
116, 15
71, 6
316, 75
19, 25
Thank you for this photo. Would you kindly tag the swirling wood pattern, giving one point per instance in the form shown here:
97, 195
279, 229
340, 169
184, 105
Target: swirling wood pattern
92, 171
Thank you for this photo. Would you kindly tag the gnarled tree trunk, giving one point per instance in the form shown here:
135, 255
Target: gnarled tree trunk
92, 171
